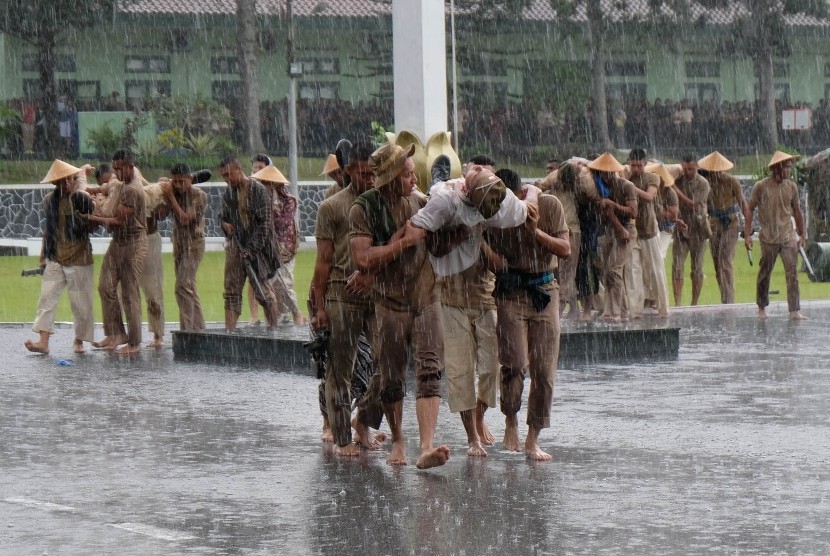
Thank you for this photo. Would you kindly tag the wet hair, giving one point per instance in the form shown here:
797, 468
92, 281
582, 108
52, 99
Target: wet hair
123, 155
360, 152
482, 160
228, 161
264, 158
102, 169
637, 154
180, 169
689, 157
510, 178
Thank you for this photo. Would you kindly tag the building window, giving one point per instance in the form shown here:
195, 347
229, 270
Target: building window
625, 69
146, 64
702, 69
316, 90
64, 63
320, 66
137, 92
781, 91
224, 65
626, 91
483, 66
700, 93
226, 92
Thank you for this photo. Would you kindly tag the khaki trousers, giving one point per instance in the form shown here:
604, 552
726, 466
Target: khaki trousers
528, 339
235, 277
152, 284
789, 256
653, 273
567, 269
615, 253
186, 263
683, 246
79, 282
470, 346
723, 243
122, 266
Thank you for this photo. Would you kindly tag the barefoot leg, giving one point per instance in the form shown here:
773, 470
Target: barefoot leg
468, 419
327, 436
394, 414
128, 350
41, 346
796, 315
762, 314
511, 433
484, 433
363, 436
427, 411
351, 450
78, 346
534, 452
157, 342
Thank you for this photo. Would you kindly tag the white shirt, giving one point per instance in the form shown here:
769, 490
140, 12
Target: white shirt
449, 207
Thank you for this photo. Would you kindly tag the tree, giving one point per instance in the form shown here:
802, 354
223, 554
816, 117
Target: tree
759, 31
46, 24
246, 31
597, 28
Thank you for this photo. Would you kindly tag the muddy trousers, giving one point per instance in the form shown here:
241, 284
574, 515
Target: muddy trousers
470, 348
186, 263
528, 339
152, 284
346, 321
615, 253
789, 256
723, 244
122, 267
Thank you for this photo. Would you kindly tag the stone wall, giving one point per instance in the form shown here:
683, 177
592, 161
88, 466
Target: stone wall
20, 210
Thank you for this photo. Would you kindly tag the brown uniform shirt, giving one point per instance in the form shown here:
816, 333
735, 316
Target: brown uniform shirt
666, 198
725, 190
646, 219
776, 204
696, 189
132, 195
333, 225
520, 249
622, 193
568, 200
470, 289
68, 252
185, 236
407, 283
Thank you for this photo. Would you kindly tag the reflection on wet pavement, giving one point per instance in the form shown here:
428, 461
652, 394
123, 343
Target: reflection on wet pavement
724, 449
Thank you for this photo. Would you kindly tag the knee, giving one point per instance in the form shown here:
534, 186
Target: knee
393, 392
429, 385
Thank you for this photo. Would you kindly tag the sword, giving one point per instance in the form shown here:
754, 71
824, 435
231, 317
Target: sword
807, 263
33, 271
249, 271
749, 255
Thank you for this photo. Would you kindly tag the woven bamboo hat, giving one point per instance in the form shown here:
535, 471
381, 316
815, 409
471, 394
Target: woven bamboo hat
330, 166
388, 161
606, 163
270, 174
59, 170
715, 162
666, 179
780, 157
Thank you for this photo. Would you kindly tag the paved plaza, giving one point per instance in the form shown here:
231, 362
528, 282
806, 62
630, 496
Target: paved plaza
726, 450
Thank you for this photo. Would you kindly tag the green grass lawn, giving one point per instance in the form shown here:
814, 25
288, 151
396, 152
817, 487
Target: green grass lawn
20, 301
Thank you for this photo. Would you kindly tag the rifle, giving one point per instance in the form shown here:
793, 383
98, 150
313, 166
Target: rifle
249, 270
27, 272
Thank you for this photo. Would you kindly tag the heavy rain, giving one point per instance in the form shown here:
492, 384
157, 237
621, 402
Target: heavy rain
387, 276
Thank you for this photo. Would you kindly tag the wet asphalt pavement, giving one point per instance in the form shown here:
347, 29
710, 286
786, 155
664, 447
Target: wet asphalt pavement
725, 450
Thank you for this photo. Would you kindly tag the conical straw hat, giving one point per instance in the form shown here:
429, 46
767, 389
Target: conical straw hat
606, 163
59, 170
780, 157
330, 166
715, 162
666, 179
270, 174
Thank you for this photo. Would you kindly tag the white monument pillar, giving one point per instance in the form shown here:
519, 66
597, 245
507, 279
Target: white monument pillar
420, 66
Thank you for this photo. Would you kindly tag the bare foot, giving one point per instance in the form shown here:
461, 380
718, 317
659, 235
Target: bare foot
762, 314
299, 320
327, 436
483, 430
586, 316
78, 346
156, 343
796, 315
476, 450
128, 350
511, 435
36, 347
535, 453
397, 455
363, 436
433, 457
380, 437
110, 342
348, 451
